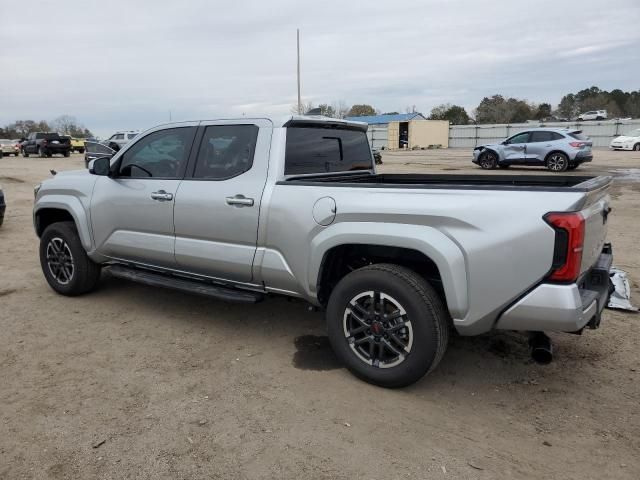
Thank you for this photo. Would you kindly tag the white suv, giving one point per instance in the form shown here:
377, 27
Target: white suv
120, 139
593, 115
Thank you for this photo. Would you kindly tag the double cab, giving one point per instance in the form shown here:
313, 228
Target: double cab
244, 209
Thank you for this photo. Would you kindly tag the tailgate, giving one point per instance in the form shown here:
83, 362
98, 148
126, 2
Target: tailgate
595, 213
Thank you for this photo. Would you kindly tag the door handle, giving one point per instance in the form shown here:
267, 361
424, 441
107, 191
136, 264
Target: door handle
239, 201
162, 196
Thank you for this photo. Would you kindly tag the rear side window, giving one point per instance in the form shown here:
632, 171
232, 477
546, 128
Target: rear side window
131, 135
226, 151
324, 150
579, 136
120, 136
541, 137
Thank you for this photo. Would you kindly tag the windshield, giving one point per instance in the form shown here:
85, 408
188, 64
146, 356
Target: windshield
633, 133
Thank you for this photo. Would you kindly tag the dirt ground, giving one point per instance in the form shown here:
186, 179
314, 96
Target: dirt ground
132, 382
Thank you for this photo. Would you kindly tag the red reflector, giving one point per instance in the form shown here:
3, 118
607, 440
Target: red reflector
573, 224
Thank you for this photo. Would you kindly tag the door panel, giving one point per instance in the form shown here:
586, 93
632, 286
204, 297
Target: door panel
539, 144
216, 217
128, 224
515, 148
132, 213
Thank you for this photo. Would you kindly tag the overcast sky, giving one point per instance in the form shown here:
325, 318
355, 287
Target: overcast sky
126, 64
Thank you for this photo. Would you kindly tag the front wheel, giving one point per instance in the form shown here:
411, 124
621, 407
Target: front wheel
489, 160
636, 147
557, 162
387, 325
65, 264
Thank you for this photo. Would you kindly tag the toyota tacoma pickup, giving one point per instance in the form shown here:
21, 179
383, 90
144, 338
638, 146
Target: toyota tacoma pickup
242, 209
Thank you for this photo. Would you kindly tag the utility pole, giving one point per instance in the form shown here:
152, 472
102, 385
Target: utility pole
298, 46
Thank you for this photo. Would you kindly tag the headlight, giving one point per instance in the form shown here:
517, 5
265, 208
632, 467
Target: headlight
36, 189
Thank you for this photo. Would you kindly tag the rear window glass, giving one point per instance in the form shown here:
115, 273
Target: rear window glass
578, 136
131, 135
324, 150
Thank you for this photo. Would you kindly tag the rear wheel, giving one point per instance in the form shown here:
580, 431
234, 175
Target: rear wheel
636, 147
67, 153
25, 153
65, 264
557, 162
488, 160
387, 324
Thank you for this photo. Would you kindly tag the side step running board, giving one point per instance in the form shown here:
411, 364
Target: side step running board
185, 285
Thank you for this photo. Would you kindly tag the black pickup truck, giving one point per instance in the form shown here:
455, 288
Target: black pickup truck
46, 144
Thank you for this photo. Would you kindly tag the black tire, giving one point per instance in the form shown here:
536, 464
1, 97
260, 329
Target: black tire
557, 162
81, 151
83, 274
15, 154
67, 153
488, 160
424, 326
25, 154
599, 118
636, 147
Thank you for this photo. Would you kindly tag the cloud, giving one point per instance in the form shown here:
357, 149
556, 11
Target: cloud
124, 64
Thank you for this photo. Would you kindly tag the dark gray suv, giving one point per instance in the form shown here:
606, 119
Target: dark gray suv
558, 149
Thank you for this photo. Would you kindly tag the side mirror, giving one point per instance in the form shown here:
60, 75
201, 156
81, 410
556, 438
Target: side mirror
506, 142
100, 166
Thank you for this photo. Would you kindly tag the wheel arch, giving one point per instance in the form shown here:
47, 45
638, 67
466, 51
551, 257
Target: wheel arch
425, 250
60, 210
556, 151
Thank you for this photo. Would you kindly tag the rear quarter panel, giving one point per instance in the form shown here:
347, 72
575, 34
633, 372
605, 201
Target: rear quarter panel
492, 245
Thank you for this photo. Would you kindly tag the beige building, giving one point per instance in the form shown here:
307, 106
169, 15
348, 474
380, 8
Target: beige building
405, 130
418, 134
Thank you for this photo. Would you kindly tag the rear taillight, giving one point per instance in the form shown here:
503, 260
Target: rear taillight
577, 144
567, 254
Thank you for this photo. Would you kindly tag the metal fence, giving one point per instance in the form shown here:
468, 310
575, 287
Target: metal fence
601, 133
377, 136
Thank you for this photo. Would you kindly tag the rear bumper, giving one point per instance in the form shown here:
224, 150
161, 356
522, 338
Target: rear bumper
563, 308
582, 157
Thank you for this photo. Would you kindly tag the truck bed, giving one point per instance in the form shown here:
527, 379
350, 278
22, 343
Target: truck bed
447, 181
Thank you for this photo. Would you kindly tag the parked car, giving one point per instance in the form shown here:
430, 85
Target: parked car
46, 144
557, 149
8, 147
95, 150
593, 115
240, 209
628, 141
120, 139
3, 206
77, 144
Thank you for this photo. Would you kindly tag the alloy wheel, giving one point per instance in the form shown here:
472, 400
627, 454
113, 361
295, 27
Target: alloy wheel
378, 329
60, 260
556, 162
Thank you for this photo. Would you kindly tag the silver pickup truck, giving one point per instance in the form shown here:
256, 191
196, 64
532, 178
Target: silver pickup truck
242, 209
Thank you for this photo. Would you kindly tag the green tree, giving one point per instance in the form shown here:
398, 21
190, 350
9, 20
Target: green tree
497, 109
455, 114
544, 111
361, 110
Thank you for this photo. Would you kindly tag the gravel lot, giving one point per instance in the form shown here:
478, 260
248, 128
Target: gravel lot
132, 382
